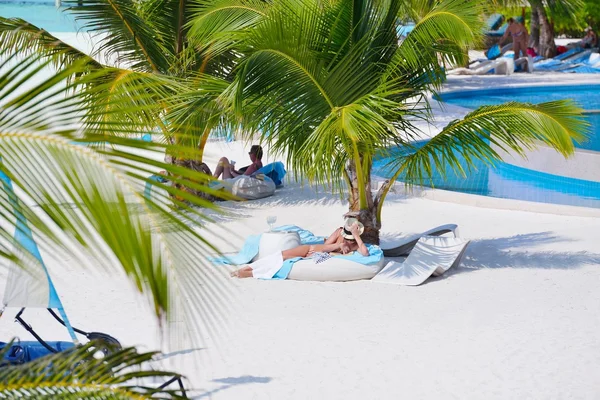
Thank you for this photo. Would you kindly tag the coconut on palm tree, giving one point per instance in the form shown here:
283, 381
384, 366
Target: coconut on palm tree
329, 85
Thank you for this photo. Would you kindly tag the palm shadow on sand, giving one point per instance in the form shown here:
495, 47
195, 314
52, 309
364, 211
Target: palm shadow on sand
514, 252
288, 196
230, 382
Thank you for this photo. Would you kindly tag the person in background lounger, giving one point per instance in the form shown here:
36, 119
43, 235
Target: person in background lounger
343, 240
226, 168
519, 35
590, 39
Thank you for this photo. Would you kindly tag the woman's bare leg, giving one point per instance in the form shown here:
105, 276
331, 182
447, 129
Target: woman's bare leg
300, 251
223, 167
244, 272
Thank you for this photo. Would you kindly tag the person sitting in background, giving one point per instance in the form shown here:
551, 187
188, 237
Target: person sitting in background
590, 39
344, 240
519, 35
227, 168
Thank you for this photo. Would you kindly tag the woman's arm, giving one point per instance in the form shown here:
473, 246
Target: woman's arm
252, 168
333, 237
503, 38
362, 249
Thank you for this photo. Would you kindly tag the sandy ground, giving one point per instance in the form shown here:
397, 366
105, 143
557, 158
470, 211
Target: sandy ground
519, 318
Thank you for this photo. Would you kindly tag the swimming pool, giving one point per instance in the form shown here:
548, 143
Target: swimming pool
510, 181
41, 13
588, 97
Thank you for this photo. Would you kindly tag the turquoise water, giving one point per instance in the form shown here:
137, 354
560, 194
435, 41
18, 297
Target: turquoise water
509, 181
42, 14
588, 97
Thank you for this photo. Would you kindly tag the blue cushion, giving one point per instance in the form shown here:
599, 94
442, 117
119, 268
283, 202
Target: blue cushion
494, 52
276, 171
22, 352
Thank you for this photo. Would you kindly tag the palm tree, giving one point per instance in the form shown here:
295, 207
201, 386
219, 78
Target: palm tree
77, 374
143, 39
328, 84
82, 191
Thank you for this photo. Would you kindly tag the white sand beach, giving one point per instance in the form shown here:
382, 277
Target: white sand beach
518, 319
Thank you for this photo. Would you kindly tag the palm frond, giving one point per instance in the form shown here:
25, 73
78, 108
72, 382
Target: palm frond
92, 198
487, 132
442, 35
126, 36
77, 374
215, 25
311, 83
18, 35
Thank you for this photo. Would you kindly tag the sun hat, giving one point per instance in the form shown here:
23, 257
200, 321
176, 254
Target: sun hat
347, 233
589, 28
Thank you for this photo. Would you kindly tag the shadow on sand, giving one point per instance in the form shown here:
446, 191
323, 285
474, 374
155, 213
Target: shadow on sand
229, 382
288, 196
513, 252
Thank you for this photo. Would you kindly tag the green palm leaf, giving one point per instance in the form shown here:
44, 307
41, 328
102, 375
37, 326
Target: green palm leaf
92, 198
215, 26
77, 374
17, 35
447, 29
128, 38
490, 130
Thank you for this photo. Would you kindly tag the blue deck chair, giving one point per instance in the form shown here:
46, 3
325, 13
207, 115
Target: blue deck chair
500, 31
569, 53
494, 21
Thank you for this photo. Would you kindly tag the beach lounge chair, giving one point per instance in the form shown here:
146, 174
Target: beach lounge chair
432, 256
494, 21
500, 66
403, 246
25, 290
525, 64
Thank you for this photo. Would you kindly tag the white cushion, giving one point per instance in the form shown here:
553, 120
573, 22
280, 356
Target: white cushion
273, 242
335, 269
251, 188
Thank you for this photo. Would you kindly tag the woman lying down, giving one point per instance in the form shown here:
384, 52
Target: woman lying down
343, 240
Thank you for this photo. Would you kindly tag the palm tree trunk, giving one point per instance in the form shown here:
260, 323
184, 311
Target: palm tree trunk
547, 47
367, 216
534, 35
180, 27
194, 165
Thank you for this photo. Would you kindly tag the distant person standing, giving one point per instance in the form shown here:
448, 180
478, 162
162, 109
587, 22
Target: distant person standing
519, 35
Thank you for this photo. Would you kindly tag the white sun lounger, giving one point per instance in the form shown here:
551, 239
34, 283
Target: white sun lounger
526, 63
501, 66
402, 247
432, 255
